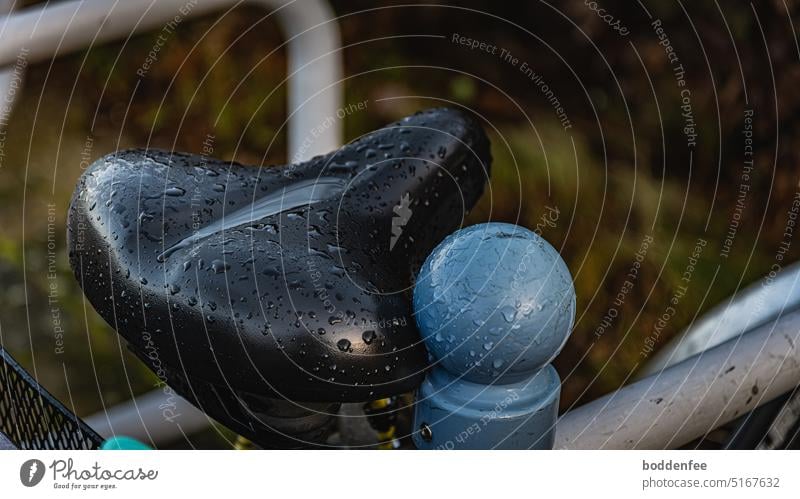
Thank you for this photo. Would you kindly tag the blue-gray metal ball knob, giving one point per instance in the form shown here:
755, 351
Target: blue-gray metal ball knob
494, 303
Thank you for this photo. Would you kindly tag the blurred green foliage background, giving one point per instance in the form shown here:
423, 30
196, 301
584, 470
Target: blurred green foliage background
622, 172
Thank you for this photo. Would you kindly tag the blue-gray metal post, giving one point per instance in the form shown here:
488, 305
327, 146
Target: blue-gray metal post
495, 304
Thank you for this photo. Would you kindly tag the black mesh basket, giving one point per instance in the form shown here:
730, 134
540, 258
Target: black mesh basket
31, 418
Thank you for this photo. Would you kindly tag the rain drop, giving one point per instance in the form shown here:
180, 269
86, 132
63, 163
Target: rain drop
218, 266
343, 344
368, 336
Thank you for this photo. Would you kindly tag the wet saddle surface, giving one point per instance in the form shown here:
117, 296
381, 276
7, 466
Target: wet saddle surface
292, 281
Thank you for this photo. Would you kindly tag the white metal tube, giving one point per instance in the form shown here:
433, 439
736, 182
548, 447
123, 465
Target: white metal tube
759, 303
315, 79
63, 27
683, 402
313, 47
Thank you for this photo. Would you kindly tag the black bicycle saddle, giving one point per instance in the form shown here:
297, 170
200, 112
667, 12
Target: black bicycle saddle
236, 283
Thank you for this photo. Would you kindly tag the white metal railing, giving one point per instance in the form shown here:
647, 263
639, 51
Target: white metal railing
312, 44
687, 400
757, 304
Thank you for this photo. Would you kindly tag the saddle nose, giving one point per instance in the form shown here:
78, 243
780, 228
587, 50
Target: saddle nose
290, 281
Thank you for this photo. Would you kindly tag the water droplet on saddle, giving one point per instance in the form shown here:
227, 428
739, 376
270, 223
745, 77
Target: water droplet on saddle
488, 345
175, 191
346, 167
218, 266
368, 336
174, 289
294, 216
336, 250
343, 344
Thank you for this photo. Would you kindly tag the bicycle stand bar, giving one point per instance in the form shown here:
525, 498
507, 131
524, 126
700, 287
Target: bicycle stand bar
312, 45
683, 402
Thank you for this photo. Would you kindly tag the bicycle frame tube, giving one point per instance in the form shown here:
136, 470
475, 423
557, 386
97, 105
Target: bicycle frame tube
313, 49
681, 403
759, 303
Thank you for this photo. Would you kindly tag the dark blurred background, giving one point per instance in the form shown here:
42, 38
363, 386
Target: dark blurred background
623, 171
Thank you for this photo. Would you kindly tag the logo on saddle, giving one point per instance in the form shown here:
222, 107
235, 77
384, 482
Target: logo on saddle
402, 214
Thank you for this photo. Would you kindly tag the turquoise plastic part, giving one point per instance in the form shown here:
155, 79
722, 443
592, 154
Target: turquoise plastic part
123, 443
